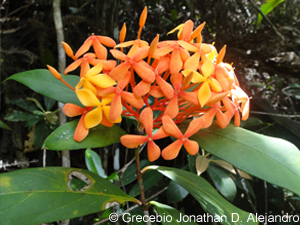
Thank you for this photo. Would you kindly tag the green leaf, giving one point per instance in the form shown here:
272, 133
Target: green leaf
41, 195
93, 163
18, 115
266, 8
170, 216
223, 182
149, 180
129, 174
42, 82
175, 193
99, 136
272, 159
4, 126
49, 103
24, 104
41, 132
210, 200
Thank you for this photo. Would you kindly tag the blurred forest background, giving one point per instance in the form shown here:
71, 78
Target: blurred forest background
265, 57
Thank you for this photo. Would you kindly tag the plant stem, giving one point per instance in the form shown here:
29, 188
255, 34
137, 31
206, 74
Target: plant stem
140, 178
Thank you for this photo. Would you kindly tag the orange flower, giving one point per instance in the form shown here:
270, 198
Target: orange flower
101, 110
133, 141
93, 78
132, 62
86, 60
116, 105
97, 42
191, 147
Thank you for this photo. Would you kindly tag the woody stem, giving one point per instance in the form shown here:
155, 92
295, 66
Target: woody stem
140, 180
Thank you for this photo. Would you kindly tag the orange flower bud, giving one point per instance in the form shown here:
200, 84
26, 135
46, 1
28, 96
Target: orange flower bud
122, 33
68, 50
54, 72
143, 17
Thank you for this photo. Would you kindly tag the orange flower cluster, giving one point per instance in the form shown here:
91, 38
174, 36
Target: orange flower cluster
174, 79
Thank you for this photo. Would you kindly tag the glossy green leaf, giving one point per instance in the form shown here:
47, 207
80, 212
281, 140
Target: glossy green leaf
24, 104
40, 195
41, 132
266, 8
42, 82
49, 103
149, 180
223, 182
99, 136
175, 192
171, 216
4, 126
210, 200
93, 163
272, 159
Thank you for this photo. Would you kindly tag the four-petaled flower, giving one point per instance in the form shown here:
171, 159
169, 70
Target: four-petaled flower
133, 141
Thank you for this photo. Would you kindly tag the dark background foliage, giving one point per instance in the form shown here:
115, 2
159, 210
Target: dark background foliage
267, 67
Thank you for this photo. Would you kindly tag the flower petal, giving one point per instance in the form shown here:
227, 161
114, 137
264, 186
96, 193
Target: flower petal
172, 108
172, 151
87, 97
187, 30
192, 62
107, 41
221, 55
124, 44
81, 132
84, 48
133, 141
165, 87
72, 110
95, 70
146, 118
160, 133
197, 77
132, 99
222, 119
102, 80
73, 66
140, 54
118, 54
191, 147
170, 127
100, 50
116, 108
176, 62
204, 93
145, 73
202, 122
142, 88
188, 46
153, 151
214, 85
207, 68
93, 118
119, 71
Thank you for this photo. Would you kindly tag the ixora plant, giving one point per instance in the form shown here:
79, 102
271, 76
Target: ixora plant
177, 88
